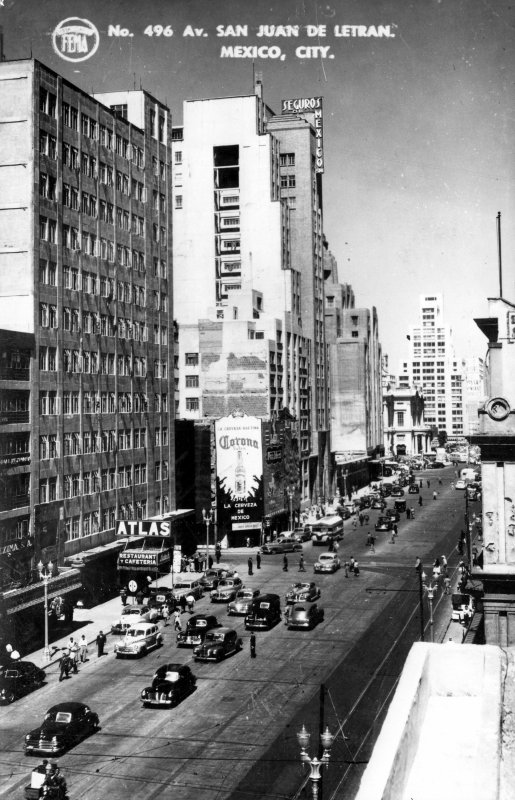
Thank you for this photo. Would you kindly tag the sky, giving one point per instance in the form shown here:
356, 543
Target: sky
418, 125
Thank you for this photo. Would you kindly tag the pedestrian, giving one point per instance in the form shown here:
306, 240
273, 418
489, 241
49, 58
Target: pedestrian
177, 620
210, 561
446, 584
196, 563
369, 539
443, 561
248, 541
408, 513
361, 518
285, 563
392, 537
302, 568
123, 596
351, 563
258, 560
100, 641
165, 614
420, 501
428, 484
190, 600
182, 603
421, 483
64, 665
83, 649
73, 647
452, 484
218, 552
440, 482
346, 566
412, 512
395, 529
435, 495
372, 544
250, 564
356, 569
336, 546
354, 523
235, 574
252, 645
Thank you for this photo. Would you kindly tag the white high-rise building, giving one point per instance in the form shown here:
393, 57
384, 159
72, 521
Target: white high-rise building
432, 367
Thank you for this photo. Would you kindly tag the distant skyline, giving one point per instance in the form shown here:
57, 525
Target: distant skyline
418, 127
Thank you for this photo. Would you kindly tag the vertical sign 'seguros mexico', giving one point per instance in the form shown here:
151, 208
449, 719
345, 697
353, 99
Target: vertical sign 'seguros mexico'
310, 105
239, 473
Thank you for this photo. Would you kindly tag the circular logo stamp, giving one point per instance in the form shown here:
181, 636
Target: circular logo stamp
75, 39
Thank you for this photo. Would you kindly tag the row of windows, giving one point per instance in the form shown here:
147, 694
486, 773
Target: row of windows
96, 521
103, 403
108, 441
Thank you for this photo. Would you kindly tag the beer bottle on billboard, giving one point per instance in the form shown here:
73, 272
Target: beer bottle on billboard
240, 476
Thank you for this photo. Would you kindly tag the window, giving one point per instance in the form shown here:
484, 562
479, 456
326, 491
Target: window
178, 201
400, 419
192, 404
191, 359
178, 156
192, 381
47, 102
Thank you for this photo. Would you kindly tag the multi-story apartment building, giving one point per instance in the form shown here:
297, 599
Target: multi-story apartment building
248, 271
433, 368
85, 267
472, 369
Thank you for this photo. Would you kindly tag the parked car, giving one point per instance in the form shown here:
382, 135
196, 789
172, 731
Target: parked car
213, 576
302, 592
397, 491
19, 678
218, 645
132, 615
460, 484
121, 626
304, 615
327, 562
64, 725
413, 488
302, 534
139, 639
392, 514
378, 504
226, 590
463, 606
171, 684
286, 546
242, 602
196, 629
264, 613
384, 524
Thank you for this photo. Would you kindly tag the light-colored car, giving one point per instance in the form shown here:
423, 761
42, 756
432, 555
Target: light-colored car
284, 546
304, 615
327, 562
185, 586
460, 484
226, 590
303, 592
242, 602
139, 639
133, 614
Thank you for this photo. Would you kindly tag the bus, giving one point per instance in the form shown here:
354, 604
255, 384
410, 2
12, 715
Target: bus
326, 530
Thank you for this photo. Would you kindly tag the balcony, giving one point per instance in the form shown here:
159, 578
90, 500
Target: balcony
14, 374
13, 417
14, 501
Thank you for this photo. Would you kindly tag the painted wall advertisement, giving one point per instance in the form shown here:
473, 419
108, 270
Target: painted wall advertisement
239, 473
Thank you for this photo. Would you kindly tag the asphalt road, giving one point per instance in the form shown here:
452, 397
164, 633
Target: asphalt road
235, 737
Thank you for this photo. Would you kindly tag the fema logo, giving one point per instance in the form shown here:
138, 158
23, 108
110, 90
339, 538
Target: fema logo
75, 39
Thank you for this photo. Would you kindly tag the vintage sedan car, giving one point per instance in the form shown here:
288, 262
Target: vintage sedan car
226, 590
19, 678
414, 488
139, 639
171, 684
397, 491
460, 484
186, 585
242, 602
378, 504
286, 546
218, 645
384, 524
303, 615
264, 612
132, 614
392, 514
302, 592
65, 725
327, 562
213, 576
196, 630
301, 534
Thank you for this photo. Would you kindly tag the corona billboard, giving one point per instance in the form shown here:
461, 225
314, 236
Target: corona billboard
239, 473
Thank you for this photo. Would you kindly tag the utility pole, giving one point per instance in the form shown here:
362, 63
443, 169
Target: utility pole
499, 251
320, 731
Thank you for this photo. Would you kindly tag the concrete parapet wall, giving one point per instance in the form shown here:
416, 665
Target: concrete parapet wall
443, 727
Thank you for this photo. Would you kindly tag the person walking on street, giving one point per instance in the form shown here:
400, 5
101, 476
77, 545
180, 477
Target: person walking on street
165, 614
302, 568
346, 568
83, 649
252, 645
64, 665
177, 620
190, 600
250, 564
395, 529
73, 647
361, 518
435, 495
336, 546
421, 483
369, 539
100, 642
443, 562
372, 544
440, 482
285, 564
356, 569
209, 561
412, 512
447, 584
351, 563
420, 501
428, 484
123, 596
182, 603
258, 560
408, 512
218, 552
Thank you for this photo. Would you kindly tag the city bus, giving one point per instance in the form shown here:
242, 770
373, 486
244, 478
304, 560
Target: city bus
326, 530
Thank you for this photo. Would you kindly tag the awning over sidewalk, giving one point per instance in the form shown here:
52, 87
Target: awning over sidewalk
79, 559
20, 599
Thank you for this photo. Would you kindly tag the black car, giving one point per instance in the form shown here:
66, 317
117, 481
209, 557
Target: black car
392, 514
413, 488
397, 491
384, 524
19, 678
196, 629
170, 684
64, 726
264, 613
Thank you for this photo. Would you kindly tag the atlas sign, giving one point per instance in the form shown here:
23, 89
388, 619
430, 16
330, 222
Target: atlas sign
310, 105
143, 527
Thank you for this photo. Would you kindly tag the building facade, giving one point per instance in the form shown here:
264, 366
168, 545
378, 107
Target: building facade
85, 267
433, 368
248, 282
405, 430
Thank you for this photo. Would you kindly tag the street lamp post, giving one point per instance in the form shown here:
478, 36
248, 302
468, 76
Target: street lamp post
291, 492
430, 590
45, 573
207, 517
315, 764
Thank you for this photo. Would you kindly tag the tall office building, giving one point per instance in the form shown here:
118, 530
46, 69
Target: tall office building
85, 267
248, 271
433, 368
